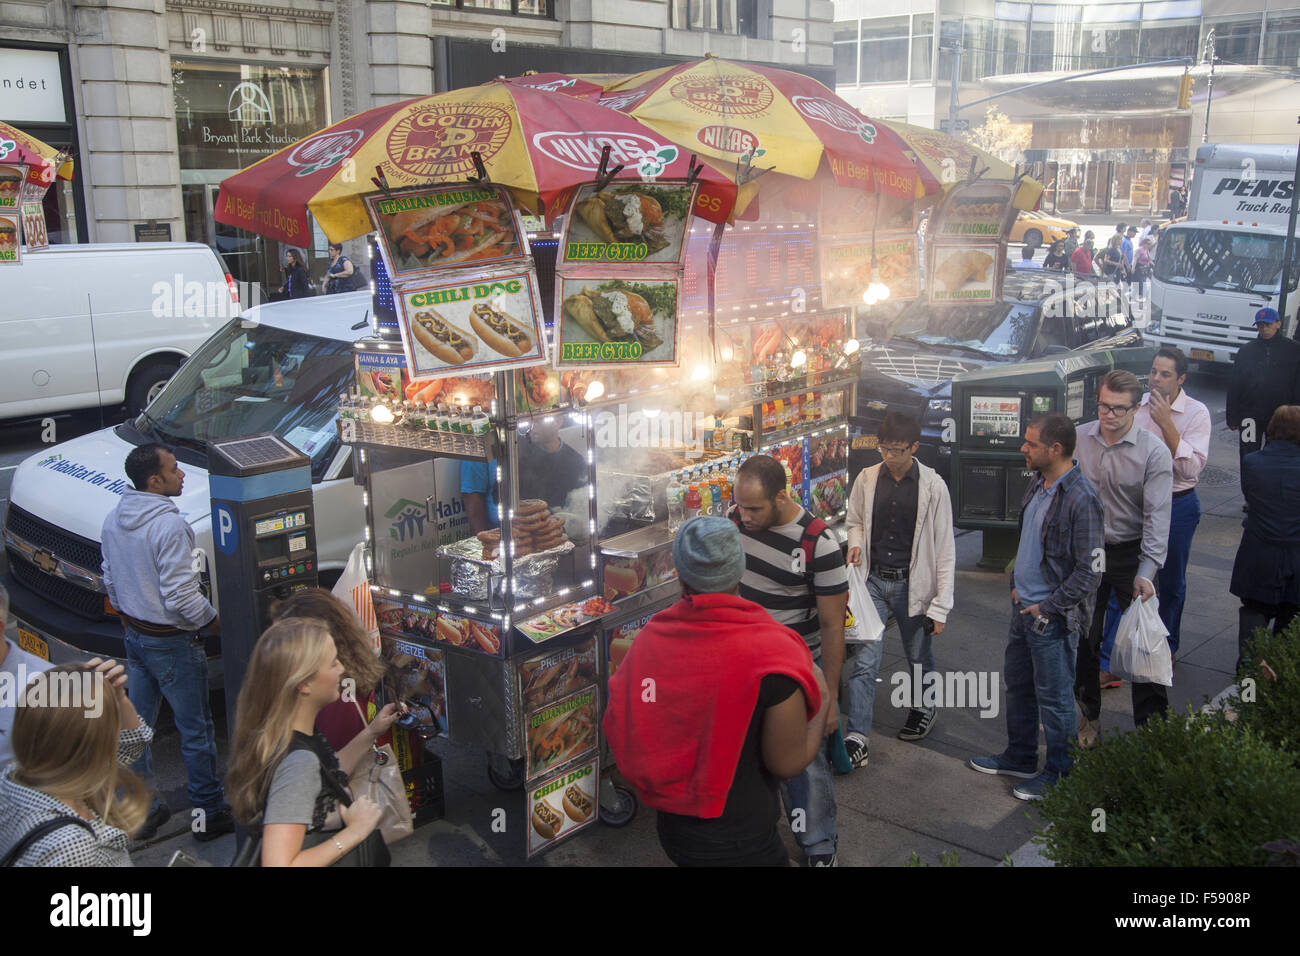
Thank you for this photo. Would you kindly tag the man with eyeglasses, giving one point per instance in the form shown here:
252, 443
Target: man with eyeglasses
1183, 424
1132, 471
900, 527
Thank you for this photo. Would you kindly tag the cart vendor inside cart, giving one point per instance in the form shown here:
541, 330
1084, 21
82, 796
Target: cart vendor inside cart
478, 486
550, 469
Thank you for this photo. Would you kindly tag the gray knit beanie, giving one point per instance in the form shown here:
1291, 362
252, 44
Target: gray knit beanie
708, 554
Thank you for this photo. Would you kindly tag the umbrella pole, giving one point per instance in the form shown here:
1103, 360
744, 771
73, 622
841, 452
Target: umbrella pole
715, 245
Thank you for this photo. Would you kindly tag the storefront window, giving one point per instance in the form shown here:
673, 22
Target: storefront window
229, 116
1281, 41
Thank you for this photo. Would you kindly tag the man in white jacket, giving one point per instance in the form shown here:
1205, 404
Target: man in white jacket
900, 536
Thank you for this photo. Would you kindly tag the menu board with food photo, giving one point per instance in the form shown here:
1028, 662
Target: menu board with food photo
560, 806
846, 268
829, 494
382, 375
605, 322
12, 177
561, 731
491, 322
850, 211
458, 631
417, 677
543, 627
35, 233
620, 640
625, 576
10, 249
425, 230
828, 453
628, 222
549, 676
794, 458
962, 273
978, 210
537, 388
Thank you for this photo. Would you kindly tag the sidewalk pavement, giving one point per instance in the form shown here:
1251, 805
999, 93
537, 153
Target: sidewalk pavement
913, 797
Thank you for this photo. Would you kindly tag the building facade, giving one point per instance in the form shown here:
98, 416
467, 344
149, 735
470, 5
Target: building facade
1106, 142
162, 99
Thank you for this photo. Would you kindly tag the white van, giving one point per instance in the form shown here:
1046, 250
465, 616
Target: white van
83, 326
278, 368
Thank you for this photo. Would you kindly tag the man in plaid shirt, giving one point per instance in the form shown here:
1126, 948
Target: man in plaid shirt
1057, 572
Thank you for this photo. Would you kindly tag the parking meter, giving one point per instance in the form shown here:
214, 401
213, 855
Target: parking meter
992, 407
264, 538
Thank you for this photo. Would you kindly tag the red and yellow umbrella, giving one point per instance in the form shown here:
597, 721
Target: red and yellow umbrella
539, 145
738, 114
46, 162
948, 160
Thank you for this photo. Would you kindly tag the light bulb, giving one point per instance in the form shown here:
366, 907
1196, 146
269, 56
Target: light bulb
701, 373
869, 297
851, 346
382, 415
595, 390
799, 358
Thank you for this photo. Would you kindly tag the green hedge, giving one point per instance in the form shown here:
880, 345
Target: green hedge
1178, 791
1271, 707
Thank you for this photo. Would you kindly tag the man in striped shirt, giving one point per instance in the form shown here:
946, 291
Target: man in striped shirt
794, 568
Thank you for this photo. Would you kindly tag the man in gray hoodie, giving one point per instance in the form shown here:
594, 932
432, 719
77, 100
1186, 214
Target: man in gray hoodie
152, 579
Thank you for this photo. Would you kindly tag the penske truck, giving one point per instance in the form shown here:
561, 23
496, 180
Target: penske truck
1223, 264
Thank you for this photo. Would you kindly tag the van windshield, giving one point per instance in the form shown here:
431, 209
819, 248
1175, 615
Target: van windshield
1220, 259
255, 378
998, 330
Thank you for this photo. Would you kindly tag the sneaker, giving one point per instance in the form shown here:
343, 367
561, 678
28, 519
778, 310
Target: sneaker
156, 818
217, 823
1089, 730
918, 724
856, 748
1109, 680
1034, 789
822, 859
995, 765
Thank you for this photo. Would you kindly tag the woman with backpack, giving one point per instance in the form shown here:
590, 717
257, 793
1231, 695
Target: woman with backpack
285, 782
69, 798
342, 275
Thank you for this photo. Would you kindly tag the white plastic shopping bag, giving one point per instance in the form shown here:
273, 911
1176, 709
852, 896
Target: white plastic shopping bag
862, 623
353, 589
1141, 652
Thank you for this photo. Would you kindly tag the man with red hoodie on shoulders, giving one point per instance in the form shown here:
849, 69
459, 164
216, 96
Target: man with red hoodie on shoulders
714, 704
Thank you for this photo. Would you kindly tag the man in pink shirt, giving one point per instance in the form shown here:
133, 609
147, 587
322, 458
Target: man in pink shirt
1183, 423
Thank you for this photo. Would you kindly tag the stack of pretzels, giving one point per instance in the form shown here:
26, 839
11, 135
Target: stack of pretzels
533, 529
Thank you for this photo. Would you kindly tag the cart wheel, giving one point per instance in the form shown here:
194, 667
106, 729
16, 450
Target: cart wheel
625, 805
505, 774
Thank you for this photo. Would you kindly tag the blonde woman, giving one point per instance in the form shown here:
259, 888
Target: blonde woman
69, 799
341, 721
284, 778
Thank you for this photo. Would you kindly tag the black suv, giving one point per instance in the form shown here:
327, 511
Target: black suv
911, 351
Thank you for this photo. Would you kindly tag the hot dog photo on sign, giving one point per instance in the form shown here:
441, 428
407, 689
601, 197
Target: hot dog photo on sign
472, 325
561, 805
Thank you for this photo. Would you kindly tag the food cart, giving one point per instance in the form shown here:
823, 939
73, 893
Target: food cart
510, 618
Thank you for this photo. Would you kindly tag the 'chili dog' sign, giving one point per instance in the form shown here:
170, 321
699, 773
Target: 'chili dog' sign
457, 327
560, 806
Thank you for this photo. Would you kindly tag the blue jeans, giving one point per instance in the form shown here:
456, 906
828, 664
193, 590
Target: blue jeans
1039, 673
1171, 581
176, 668
813, 792
859, 698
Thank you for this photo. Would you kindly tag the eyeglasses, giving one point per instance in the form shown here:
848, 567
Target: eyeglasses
893, 451
1104, 409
